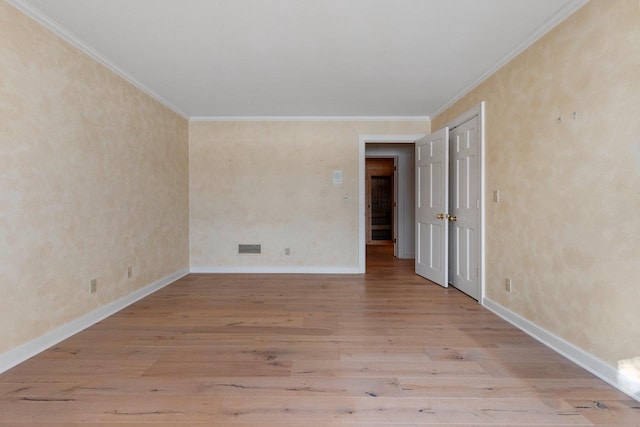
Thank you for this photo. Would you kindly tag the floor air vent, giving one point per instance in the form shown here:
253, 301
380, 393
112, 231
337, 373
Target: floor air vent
249, 249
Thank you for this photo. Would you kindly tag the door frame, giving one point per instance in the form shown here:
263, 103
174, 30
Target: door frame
478, 110
363, 140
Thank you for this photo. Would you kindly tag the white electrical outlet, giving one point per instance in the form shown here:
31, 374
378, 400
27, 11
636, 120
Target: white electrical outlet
94, 286
287, 251
507, 285
129, 272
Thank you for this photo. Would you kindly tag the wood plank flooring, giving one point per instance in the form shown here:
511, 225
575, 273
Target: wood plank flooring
382, 349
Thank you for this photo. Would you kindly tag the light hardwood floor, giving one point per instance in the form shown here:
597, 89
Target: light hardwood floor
382, 349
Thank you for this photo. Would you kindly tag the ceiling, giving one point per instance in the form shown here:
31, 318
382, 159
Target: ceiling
206, 58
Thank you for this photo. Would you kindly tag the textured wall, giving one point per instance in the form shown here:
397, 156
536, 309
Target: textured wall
94, 179
567, 228
271, 183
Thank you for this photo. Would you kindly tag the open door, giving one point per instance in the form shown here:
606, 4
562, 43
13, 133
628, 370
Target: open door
464, 208
432, 175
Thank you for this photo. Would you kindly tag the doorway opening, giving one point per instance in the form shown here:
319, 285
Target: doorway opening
380, 198
474, 246
400, 149
390, 173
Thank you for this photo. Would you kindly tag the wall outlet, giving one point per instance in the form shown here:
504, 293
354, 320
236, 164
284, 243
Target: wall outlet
507, 285
287, 251
94, 286
129, 272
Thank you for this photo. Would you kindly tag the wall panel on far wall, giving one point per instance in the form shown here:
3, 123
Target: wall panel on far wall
271, 183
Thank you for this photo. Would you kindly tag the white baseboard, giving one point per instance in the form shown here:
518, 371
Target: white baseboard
25, 351
285, 269
407, 255
597, 367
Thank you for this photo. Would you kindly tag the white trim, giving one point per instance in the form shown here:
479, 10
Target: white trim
25, 351
363, 140
596, 366
310, 119
483, 204
271, 269
73, 40
562, 14
478, 111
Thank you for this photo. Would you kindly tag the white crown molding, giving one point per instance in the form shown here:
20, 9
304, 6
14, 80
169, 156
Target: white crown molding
310, 119
285, 269
25, 351
389, 138
562, 14
72, 39
586, 360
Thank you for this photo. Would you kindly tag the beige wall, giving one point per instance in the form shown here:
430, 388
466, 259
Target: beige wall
94, 179
567, 228
271, 183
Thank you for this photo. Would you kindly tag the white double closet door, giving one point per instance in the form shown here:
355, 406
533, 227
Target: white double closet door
448, 207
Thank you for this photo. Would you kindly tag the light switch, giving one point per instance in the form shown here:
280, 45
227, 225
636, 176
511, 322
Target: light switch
337, 177
496, 196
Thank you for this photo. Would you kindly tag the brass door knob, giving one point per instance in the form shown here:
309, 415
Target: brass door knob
440, 216
452, 218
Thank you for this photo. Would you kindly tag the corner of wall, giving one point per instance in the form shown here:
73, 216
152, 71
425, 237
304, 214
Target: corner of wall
25, 351
591, 363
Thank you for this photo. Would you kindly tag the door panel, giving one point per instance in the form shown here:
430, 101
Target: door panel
432, 175
464, 208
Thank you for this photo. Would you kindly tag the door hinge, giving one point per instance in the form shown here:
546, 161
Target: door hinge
395, 168
395, 240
